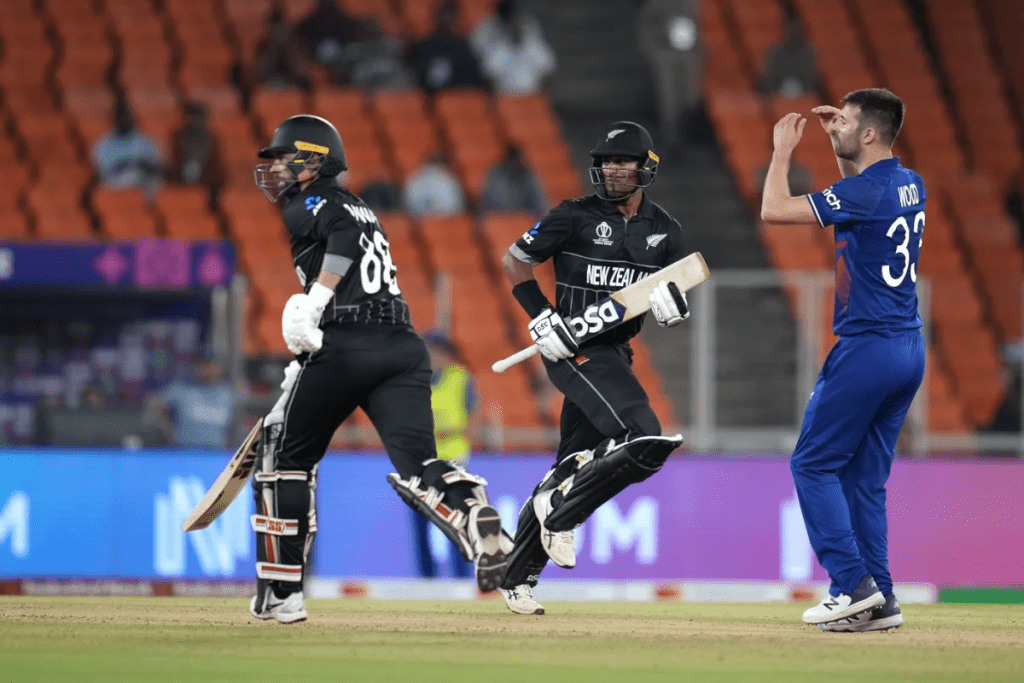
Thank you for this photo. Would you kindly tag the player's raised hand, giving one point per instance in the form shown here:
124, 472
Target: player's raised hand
788, 132
825, 115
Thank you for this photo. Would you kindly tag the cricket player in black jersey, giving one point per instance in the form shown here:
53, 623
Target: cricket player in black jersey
610, 436
355, 348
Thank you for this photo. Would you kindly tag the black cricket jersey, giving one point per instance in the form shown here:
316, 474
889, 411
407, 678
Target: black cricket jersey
597, 251
328, 224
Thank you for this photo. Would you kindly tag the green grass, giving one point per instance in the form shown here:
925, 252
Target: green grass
194, 639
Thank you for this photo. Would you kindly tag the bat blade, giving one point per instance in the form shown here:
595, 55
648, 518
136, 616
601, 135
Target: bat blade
228, 485
623, 305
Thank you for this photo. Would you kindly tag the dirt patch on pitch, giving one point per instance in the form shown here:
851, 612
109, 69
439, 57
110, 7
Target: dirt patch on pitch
490, 619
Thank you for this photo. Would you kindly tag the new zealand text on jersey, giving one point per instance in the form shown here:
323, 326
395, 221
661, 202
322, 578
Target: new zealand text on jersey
610, 276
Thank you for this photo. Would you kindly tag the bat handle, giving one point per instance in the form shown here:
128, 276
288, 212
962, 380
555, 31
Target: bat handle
517, 357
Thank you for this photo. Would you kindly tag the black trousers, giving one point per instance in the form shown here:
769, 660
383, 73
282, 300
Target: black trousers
383, 369
603, 399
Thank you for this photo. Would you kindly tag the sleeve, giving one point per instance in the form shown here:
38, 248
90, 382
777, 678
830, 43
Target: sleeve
545, 238
345, 244
677, 245
851, 199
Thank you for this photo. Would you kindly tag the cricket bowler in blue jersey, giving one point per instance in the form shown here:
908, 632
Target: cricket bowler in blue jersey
848, 438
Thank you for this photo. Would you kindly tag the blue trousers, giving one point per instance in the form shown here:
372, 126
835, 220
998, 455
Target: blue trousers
845, 451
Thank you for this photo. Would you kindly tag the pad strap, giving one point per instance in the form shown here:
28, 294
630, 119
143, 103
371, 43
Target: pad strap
279, 572
263, 524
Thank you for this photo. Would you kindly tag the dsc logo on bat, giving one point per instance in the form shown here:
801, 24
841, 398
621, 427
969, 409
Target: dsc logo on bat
597, 317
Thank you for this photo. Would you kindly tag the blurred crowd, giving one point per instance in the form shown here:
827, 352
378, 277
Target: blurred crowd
506, 53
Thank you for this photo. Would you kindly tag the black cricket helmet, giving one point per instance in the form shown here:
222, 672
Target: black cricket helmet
317, 147
624, 139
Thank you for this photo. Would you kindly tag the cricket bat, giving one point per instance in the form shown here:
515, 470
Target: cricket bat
623, 305
228, 485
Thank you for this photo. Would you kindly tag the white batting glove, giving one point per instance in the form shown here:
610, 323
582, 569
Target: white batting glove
300, 322
291, 373
668, 304
554, 338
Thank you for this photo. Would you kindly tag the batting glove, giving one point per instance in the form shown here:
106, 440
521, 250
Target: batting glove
554, 338
291, 373
300, 322
668, 304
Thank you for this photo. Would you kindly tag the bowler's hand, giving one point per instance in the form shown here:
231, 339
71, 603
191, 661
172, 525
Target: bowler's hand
825, 115
788, 132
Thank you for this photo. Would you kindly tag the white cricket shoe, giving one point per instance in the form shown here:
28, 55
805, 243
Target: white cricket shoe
559, 545
484, 530
864, 598
288, 610
883, 618
520, 600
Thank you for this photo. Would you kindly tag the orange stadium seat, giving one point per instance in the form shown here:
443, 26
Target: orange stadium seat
186, 213
58, 212
722, 65
123, 214
13, 224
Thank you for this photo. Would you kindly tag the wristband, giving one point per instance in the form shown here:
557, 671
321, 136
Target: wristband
530, 297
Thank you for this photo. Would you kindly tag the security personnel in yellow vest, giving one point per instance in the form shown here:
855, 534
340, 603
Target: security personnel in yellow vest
455, 406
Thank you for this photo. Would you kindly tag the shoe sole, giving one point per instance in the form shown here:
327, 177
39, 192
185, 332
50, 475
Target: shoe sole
886, 624
492, 562
537, 612
874, 600
541, 516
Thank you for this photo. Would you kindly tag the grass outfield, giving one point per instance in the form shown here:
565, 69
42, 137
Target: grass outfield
209, 639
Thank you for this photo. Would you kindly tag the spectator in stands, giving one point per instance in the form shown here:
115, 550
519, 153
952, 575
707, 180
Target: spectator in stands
195, 159
444, 59
791, 67
325, 33
512, 186
377, 59
457, 419
433, 190
667, 35
127, 157
200, 411
382, 195
1008, 415
280, 60
513, 51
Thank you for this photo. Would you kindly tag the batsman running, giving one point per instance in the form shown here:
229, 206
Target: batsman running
610, 436
355, 348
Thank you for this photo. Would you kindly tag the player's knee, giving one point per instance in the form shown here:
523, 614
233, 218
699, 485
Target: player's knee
643, 423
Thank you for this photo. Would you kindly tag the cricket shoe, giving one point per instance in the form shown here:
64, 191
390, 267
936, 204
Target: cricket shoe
520, 600
484, 530
559, 545
883, 618
289, 610
864, 597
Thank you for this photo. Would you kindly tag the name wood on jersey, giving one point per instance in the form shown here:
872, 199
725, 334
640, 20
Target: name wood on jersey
361, 213
610, 276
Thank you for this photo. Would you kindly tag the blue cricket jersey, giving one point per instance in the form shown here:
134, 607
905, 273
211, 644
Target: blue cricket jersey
879, 220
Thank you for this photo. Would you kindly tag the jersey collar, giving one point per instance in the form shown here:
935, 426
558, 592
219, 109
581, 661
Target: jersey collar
883, 167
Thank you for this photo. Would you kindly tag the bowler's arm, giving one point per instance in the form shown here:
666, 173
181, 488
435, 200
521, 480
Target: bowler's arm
777, 204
